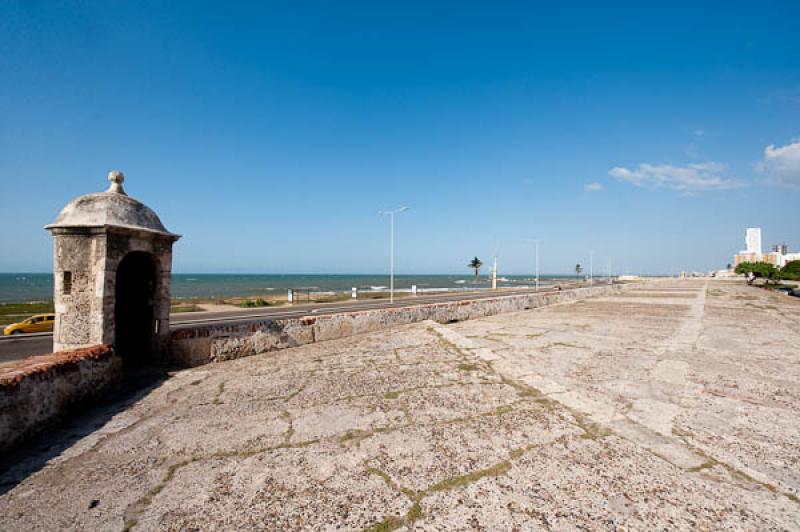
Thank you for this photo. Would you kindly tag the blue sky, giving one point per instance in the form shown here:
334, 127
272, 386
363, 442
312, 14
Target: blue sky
270, 134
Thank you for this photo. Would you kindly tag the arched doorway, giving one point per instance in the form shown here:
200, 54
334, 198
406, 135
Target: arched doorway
134, 316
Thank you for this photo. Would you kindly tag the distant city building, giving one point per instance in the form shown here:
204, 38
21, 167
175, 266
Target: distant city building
774, 258
753, 240
745, 257
752, 251
789, 257
778, 257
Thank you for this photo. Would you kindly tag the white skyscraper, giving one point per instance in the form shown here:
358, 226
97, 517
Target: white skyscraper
753, 240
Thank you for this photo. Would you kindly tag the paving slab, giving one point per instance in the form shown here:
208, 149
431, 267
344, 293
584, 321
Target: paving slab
670, 406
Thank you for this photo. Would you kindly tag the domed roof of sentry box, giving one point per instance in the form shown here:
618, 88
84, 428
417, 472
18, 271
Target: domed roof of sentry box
112, 208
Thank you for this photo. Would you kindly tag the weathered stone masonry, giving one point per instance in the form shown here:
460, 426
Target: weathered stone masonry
212, 343
94, 236
41, 389
112, 268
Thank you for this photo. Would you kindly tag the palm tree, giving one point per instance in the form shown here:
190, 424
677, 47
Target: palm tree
475, 264
578, 269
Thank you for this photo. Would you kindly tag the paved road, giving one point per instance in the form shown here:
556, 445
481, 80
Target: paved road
21, 346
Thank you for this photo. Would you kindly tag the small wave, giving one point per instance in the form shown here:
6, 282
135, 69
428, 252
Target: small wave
378, 288
460, 281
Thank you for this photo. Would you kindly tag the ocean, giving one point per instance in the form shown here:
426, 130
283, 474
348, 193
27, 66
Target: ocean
29, 287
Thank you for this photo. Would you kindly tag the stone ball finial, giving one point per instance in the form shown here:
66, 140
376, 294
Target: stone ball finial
116, 178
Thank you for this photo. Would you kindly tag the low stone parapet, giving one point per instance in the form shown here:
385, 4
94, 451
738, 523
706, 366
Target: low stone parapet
202, 344
39, 390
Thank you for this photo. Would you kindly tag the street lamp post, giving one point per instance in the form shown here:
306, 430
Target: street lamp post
536, 241
494, 268
391, 247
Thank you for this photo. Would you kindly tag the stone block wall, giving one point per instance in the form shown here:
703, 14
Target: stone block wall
76, 255
194, 346
120, 244
40, 390
85, 313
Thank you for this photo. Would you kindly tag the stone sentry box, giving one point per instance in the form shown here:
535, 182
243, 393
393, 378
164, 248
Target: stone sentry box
112, 268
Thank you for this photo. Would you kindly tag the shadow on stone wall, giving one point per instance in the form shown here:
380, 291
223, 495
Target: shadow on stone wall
59, 435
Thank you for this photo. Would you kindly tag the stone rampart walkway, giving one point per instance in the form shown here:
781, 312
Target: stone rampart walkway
674, 406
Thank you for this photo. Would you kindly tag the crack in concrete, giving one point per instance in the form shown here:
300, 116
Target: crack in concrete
220, 390
457, 481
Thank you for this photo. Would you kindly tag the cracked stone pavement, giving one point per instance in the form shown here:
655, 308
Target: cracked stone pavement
670, 406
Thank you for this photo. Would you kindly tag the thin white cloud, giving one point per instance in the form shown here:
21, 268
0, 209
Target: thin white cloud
698, 176
781, 165
692, 152
593, 187
699, 132
790, 96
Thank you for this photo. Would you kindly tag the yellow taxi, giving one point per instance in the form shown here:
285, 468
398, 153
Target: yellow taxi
34, 324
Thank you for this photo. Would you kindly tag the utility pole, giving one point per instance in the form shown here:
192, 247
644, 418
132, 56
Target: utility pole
536, 242
494, 267
391, 247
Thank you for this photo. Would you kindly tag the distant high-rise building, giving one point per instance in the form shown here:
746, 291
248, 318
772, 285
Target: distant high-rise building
753, 240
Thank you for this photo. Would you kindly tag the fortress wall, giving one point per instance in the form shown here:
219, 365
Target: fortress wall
217, 342
38, 391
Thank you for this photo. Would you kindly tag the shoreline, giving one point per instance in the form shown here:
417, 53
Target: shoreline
38, 288
15, 312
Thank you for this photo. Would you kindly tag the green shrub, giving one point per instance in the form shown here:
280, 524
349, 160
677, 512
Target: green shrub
253, 303
758, 270
791, 270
